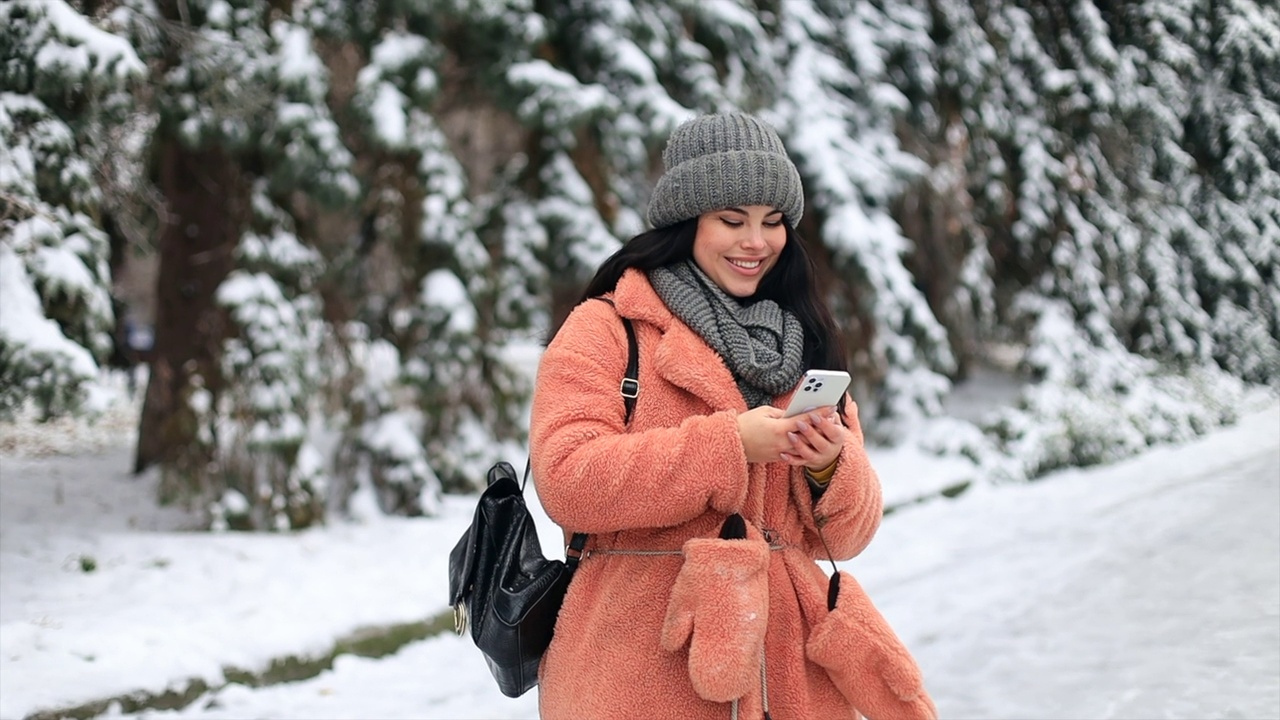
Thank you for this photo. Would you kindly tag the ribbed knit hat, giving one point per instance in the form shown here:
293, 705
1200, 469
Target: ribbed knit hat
725, 160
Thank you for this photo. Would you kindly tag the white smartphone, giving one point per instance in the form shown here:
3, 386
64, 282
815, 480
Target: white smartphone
818, 388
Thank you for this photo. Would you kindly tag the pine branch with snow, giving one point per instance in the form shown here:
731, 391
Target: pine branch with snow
64, 78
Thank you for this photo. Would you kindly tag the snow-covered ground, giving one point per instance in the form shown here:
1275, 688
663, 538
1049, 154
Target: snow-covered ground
1145, 589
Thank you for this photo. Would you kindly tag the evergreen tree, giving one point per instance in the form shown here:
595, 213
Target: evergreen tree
265, 417
370, 208
65, 84
436, 302
1094, 240
839, 111
593, 109
245, 147
1232, 130
951, 81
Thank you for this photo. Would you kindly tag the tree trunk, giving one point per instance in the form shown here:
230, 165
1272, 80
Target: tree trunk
207, 200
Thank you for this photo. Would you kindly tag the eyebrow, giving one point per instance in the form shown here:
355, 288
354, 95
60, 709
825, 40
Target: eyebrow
741, 211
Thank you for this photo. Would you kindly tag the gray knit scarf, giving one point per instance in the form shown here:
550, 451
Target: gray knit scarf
761, 344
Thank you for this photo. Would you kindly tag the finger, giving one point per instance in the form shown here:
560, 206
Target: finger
817, 454
824, 411
807, 453
817, 417
791, 459
816, 429
817, 446
829, 427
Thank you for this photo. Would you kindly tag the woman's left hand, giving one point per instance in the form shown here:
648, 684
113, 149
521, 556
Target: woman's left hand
816, 441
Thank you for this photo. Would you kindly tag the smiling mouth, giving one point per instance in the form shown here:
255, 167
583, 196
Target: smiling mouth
746, 264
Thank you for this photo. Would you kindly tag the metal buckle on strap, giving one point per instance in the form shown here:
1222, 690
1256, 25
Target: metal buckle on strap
630, 388
460, 618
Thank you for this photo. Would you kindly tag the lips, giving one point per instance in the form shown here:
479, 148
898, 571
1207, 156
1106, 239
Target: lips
747, 265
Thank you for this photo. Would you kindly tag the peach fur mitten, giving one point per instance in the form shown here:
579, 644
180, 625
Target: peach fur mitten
719, 606
867, 661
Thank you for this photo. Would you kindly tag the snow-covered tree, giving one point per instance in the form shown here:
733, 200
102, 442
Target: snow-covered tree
63, 84
367, 205
839, 111
246, 151
1232, 130
424, 272
1085, 177
265, 417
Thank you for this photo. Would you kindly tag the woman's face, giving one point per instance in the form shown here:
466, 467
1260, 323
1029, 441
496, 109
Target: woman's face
736, 246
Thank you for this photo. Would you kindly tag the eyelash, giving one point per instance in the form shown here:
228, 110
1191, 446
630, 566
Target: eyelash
738, 223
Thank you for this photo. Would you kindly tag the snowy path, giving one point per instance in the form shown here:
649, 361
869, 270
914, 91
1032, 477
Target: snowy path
1159, 599
1147, 589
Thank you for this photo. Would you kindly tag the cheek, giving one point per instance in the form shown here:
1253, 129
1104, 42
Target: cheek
777, 241
776, 246
702, 253
704, 238
711, 242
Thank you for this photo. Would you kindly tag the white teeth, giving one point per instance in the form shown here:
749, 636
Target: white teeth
752, 265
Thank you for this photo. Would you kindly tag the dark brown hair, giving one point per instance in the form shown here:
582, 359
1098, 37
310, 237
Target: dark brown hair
791, 284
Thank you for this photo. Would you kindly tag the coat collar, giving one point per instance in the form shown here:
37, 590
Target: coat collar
682, 357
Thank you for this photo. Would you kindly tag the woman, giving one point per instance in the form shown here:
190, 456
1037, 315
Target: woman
674, 612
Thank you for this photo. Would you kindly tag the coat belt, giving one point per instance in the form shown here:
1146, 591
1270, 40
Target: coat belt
770, 536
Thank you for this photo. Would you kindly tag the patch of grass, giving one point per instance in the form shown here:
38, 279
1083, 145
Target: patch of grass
131, 703
372, 642
949, 491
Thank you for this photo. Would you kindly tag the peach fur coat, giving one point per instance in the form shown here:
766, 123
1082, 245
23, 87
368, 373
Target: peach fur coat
640, 634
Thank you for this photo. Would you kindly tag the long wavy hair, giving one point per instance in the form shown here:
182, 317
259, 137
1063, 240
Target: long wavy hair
791, 283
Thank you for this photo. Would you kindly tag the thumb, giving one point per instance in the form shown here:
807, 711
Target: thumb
676, 627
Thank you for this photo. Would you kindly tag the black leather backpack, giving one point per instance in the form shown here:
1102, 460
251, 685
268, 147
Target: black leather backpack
500, 583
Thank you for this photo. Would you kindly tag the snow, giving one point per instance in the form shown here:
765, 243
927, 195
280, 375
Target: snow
388, 108
441, 288
397, 50
1147, 588
65, 272
388, 111
297, 62
394, 434
555, 97
22, 319
92, 49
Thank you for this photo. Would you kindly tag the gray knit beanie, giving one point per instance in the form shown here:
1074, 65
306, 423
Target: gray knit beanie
725, 160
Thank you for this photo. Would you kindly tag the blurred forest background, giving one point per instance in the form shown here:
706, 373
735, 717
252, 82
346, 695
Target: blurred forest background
328, 226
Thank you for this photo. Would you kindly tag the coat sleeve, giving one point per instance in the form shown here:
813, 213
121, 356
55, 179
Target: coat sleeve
594, 476
850, 509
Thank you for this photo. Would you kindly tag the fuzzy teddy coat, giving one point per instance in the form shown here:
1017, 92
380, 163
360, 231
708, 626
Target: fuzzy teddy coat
662, 617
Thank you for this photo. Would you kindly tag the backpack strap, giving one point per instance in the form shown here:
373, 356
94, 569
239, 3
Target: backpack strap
630, 387
630, 390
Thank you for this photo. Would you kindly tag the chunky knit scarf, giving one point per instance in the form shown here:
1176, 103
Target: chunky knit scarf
761, 344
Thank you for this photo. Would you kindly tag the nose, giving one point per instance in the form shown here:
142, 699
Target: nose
754, 237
